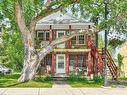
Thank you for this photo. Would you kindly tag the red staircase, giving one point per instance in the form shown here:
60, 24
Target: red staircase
110, 63
98, 55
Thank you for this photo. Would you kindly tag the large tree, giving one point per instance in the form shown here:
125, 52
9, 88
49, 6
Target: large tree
26, 13
27, 23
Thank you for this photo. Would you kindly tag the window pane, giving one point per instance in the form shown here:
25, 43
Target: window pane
81, 39
61, 57
60, 34
61, 64
47, 35
41, 35
74, 40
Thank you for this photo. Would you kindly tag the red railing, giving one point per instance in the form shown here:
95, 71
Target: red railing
100, 62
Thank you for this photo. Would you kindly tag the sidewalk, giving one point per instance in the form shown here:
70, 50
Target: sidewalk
63, 91
60, 84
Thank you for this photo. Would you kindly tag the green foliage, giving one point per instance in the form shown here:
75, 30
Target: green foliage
44, 78
12, 50
100, 42
115, 42
73, 77
98, 79
120, 59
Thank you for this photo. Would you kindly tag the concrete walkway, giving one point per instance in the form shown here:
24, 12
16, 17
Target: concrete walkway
63, 91
60, 84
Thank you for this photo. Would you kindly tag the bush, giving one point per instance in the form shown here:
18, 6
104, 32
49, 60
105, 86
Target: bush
73, 77
44, 78
98, 79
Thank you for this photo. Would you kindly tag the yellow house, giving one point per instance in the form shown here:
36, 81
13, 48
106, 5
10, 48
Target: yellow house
123, 52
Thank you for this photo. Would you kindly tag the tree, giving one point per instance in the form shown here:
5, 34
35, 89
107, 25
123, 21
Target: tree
11, 53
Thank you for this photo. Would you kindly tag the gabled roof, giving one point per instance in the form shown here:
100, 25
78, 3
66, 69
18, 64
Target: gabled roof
61, 21
60, 18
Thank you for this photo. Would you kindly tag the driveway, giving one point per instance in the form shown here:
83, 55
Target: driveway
63, 91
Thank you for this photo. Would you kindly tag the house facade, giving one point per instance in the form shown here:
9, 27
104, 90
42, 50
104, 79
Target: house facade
79, 55
123, 52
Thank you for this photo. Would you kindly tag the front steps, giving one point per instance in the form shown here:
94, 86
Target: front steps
60, 77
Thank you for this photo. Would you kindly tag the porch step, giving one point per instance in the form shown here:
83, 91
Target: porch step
60, 77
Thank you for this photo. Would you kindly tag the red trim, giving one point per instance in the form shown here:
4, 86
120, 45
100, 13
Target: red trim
53, 58
89, 55
67, 63
95, 60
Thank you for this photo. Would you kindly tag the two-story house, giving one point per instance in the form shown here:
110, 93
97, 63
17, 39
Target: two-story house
77, 55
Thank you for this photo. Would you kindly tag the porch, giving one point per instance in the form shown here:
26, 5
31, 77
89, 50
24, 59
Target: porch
65, 62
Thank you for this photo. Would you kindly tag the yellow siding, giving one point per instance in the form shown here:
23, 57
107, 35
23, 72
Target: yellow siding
123, 52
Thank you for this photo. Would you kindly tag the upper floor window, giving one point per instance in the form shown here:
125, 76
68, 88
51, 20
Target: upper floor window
78, 40
47, 36
81, 39
43, 35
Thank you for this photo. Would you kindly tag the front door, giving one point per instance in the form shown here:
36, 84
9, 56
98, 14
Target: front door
60, 63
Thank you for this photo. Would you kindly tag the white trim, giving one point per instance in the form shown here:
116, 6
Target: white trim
64, 26
59, 32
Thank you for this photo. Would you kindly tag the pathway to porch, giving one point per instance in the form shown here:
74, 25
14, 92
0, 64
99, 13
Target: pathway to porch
60, 84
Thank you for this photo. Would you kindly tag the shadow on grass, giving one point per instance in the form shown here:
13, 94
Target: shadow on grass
14, 85
11, 81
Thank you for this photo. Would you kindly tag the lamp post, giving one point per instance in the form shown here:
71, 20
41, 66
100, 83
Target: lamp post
105, 48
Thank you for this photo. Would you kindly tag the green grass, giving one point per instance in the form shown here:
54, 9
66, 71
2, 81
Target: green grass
89, 84
83, 82
11, 81
123, 78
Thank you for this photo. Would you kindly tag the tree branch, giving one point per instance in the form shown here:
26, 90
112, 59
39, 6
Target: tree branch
49, 10
20, 18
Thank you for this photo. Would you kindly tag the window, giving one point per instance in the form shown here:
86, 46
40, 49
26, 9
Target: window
47, 36
60, 34
41, 35
74, 40
81, 39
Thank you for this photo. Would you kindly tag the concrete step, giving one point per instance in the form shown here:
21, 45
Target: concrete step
59, 78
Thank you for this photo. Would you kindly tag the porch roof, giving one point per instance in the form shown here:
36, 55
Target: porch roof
59, 20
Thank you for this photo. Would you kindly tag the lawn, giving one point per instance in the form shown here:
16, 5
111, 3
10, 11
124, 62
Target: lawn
83, 82
11, 81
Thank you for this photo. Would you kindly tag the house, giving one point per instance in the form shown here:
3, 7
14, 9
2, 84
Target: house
79, 55
123, 52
